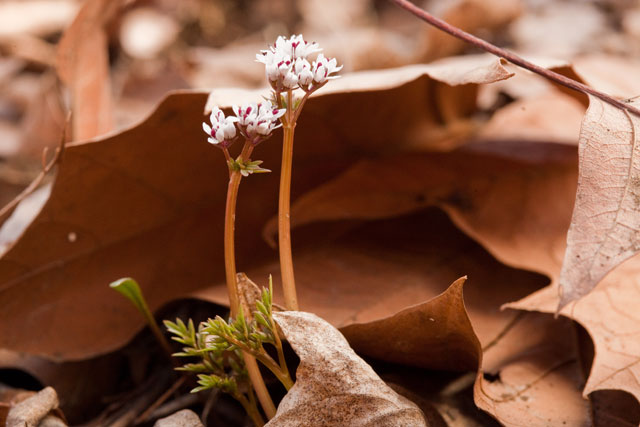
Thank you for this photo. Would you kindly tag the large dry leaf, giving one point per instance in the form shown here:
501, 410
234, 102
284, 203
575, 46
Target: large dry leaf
480, 188
83, 65
333, 385
148, 203
605, 227
418, 253
480, 192
521, 215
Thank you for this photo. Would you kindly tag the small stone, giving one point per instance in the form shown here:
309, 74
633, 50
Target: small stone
184, 418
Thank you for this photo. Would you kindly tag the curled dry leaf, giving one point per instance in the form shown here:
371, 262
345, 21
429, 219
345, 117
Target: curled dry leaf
248, 294
83, 65
333, 385
605, 227
120, 207
436, 334
31, 411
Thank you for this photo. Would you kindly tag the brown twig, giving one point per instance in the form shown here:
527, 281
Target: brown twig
512, 57
159, 401
6, 211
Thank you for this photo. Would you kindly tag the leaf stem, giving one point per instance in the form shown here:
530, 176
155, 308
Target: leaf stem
284, 207
512, 57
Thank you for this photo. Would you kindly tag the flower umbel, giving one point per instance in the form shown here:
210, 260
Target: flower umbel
287, 66
257, 121
222, 131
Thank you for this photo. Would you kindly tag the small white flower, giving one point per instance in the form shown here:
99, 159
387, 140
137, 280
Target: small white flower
222, 130
323, 68
257, 121
246, 114
270, 61
303, 70
301, 48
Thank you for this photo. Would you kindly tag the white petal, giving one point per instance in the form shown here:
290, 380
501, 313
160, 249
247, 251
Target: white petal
206, 128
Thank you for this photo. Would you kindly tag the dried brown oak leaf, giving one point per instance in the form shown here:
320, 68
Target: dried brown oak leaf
605, 227
148, 203
334, 386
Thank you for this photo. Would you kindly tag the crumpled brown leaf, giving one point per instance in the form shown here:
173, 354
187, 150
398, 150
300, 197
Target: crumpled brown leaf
333, 385
605, 227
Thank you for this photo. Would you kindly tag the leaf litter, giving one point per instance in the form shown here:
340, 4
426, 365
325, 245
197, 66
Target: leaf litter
529, 366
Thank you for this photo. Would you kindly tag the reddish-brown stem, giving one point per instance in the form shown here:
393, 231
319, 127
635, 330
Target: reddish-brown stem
512, 57
284, 202
231, 274
229, 227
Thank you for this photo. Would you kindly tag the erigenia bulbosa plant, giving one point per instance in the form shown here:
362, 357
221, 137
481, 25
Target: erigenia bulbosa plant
227, 352
293, 78
254, 123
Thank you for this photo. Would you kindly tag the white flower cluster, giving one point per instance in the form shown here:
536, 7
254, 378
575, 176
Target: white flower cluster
287, 66
255, 122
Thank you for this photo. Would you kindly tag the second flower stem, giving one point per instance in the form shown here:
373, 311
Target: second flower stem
284, 220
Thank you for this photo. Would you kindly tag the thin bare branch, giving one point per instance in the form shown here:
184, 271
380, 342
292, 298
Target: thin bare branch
512, 57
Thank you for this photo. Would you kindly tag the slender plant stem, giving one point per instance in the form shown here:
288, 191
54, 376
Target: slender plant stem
512, 57
259, 385
278, 344
252, 410
280, 373
231, 275
302, 102
284, 211
151, 321
229, 240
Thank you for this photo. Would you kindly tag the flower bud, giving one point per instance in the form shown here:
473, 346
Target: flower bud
303, 70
